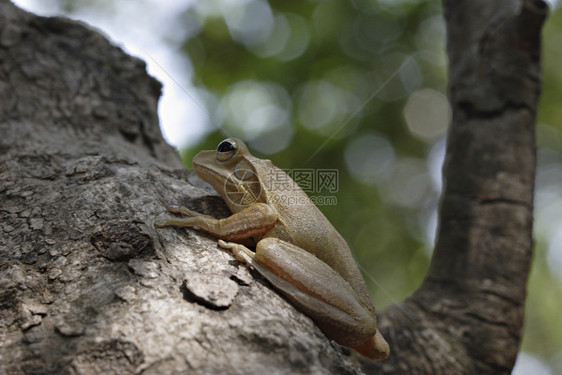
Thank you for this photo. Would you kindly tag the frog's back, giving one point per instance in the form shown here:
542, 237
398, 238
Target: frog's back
302, 224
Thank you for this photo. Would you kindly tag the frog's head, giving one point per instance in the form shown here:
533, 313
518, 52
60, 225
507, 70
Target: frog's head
232, 171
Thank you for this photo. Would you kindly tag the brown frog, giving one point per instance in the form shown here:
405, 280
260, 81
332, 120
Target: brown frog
297, 250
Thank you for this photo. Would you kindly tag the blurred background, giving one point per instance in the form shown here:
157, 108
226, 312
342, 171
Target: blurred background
358, 86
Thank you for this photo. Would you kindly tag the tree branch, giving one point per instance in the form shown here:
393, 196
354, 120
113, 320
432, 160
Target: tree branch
467, 316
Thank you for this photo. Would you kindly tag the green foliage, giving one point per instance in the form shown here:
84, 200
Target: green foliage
543, 327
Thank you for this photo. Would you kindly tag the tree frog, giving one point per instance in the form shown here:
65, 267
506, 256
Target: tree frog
296, 247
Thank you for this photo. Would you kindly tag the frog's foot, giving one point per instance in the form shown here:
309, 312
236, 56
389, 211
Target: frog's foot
180, 222
241, 252
184, 222
375, 347
160, 223
182, 210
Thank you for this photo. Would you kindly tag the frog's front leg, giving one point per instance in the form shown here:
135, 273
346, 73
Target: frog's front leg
254, 221
318, 291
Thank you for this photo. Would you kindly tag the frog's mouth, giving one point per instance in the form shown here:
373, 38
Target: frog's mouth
203, 164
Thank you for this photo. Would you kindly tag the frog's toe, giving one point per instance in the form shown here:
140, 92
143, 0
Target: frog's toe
181, 210
241, 252
160, 223
228, 245
175, 209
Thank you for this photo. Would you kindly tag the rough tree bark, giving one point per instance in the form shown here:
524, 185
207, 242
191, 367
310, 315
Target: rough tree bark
87, 285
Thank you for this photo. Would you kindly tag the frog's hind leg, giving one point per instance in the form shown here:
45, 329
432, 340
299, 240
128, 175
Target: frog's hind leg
312, 286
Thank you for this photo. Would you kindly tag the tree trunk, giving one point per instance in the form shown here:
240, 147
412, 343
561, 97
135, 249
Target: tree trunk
87, 285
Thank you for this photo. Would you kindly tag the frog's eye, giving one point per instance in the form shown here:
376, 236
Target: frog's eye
225, 151
225, 146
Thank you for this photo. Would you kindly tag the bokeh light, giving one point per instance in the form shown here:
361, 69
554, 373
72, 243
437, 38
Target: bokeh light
427, 114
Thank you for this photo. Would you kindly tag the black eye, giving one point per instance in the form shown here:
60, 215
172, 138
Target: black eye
226, 150
225, 146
